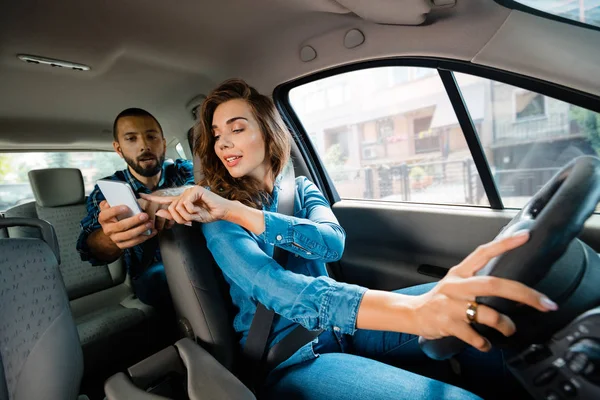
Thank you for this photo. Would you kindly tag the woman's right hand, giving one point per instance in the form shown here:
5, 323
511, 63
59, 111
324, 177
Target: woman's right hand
194, 204
443, 310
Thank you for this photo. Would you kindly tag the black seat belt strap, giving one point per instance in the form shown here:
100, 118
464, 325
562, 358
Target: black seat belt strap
258, 335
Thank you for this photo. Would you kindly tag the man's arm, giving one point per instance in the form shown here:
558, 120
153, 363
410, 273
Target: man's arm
102, 248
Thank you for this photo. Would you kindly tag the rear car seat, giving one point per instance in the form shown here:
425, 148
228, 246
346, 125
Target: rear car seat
40, 356
111, 322
25, 210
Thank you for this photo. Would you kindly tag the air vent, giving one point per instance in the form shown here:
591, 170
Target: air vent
52, 62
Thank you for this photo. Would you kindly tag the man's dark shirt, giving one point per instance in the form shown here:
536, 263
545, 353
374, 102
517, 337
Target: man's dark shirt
176, 174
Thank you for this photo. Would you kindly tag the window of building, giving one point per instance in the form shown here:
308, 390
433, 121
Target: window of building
426, 139
385, 128
529, 105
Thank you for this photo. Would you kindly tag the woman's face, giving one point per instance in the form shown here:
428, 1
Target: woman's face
239, 143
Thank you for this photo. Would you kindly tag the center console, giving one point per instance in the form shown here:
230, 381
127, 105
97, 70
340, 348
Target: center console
566, 367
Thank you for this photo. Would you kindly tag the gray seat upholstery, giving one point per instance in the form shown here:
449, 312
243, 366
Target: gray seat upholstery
102, 302
3, 231
205, 377
25, 210
40, 356
198, 289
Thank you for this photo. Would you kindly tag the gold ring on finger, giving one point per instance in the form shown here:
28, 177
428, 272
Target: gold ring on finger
472, 312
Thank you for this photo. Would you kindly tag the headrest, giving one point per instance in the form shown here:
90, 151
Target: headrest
56, 187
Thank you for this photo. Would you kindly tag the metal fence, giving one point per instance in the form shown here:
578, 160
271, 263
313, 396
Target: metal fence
455, 182
449, 182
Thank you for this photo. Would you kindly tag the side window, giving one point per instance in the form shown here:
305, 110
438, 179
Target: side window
390, 134
14, 181
527, 137
180, 152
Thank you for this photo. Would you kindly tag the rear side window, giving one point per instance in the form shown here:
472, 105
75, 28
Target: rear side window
14, 183
390, 133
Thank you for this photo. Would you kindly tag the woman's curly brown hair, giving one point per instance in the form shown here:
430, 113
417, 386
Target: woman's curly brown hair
277, 139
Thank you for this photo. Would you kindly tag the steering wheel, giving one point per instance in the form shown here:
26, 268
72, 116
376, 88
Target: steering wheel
553, 261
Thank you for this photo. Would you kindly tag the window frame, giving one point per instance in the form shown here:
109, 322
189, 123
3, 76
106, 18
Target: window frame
515, 5
445, 68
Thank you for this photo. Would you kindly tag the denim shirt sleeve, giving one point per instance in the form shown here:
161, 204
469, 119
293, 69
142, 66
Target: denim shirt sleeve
318, 236
185, 172
88, 225
314, 302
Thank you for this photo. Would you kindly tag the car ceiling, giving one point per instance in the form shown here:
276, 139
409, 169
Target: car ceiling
158, 55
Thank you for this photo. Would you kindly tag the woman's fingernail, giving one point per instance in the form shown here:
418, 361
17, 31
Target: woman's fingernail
548, 304
522, 232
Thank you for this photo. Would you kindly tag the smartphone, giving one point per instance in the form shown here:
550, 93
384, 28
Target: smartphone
119, 193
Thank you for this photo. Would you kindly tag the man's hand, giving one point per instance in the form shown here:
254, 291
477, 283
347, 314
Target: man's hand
127, 232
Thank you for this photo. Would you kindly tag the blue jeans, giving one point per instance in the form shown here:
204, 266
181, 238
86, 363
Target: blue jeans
151, 288
377, 365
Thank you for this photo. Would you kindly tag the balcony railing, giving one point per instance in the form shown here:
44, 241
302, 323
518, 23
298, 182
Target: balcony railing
552, 126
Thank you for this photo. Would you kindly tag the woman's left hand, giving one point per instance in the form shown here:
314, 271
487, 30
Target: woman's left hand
442, 311
194, 204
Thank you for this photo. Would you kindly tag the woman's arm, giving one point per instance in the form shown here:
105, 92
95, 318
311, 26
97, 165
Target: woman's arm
442, 311
318, 236
314, 302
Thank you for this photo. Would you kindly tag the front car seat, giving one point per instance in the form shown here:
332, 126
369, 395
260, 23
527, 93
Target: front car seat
40, 353
199, 291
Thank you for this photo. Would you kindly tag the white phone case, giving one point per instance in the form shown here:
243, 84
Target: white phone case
119, 193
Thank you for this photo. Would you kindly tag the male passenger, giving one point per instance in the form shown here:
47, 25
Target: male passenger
138, 139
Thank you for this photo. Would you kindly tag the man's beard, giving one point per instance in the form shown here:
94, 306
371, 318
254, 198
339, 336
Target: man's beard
146, 172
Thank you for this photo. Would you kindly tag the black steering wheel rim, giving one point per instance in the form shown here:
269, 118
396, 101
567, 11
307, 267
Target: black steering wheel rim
555, 216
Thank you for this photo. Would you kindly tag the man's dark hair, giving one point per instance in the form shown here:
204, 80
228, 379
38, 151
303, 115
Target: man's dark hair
133, 112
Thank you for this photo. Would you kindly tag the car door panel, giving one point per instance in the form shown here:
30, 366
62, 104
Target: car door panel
390, 246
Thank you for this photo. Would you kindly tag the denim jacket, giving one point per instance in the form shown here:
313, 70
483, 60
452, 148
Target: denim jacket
299, 293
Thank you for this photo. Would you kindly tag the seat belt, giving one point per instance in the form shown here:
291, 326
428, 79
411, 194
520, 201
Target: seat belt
258, 335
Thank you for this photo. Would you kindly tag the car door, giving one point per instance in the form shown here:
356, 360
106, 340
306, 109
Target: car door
423, 160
